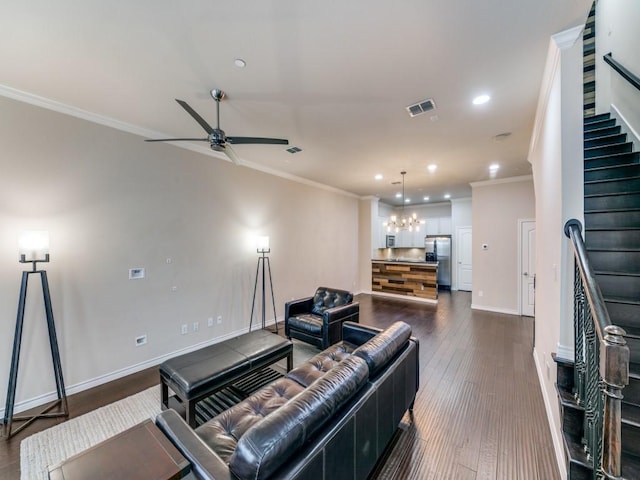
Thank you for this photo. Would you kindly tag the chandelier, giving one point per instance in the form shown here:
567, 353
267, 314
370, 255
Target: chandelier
405, 222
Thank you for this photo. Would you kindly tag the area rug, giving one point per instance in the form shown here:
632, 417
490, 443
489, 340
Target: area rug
58, 443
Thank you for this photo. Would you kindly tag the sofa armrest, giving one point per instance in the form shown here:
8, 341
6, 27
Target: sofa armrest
357, 334
205, 463
350, 312
295, 307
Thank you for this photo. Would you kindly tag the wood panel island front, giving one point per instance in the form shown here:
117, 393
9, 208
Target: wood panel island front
407, 278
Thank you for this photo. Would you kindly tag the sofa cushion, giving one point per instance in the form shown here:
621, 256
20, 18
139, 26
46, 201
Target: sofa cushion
222, 432
269, 443
382, 348
325, 298
307, 323
319, 364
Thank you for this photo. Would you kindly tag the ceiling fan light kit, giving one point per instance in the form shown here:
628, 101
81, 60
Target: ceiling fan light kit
405, 222
216, 137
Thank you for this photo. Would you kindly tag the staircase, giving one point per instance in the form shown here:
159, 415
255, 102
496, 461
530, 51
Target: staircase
612, 240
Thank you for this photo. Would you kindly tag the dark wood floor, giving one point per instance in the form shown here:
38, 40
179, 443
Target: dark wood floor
479, 413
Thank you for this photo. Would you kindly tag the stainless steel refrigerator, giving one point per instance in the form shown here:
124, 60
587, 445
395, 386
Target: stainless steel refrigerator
438, 248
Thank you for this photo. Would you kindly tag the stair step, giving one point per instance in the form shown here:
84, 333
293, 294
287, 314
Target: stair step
614, 261
612, 201
630, 467
612, 219
601, 132
571, 414
605, 140
609, 149
578, 464
623, 284
607, 238
597, 118
618, 185
602, 123
630, 437
623, 165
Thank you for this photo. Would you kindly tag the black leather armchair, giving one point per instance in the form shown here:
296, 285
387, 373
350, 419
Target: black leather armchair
318, 320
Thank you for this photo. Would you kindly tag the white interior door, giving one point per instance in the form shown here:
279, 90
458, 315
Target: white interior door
463, 267
527, 267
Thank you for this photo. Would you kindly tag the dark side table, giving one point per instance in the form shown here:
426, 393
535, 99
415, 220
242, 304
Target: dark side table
141, 452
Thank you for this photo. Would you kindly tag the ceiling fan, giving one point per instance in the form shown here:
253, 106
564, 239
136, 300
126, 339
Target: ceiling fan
215, 136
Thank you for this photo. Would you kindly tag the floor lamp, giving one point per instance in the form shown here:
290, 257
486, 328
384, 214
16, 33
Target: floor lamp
263, 260
34, 247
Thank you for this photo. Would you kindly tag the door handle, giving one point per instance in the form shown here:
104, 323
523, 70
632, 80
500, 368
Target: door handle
525, 274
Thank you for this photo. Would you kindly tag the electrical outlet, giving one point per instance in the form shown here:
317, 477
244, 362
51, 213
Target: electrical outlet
210, 322
141, 340
219, 320
185, 329
196, 326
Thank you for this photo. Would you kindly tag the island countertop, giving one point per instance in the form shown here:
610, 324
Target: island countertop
405, 277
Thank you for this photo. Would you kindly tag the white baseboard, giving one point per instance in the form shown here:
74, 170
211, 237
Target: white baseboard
123, 372
565, 352
494, 309
558, 443
632, 135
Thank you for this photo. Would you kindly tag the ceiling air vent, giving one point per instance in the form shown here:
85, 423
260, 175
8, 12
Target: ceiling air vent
421, 107
294, 150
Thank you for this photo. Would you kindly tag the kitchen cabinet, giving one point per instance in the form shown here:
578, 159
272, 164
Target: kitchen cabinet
407, 239
439, 226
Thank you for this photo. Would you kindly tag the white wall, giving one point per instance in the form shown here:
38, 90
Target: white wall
556, 157
497, 206
111, 202
617, 33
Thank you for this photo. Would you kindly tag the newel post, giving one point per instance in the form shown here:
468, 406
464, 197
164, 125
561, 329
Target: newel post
614, 370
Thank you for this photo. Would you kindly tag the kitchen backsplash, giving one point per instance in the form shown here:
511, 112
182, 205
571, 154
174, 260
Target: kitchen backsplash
400, 253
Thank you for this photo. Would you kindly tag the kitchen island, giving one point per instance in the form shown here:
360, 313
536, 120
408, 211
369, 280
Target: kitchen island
405, 277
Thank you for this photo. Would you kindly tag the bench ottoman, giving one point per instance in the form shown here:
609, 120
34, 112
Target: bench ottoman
197, 375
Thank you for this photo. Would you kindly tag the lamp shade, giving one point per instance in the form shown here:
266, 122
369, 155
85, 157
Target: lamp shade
263, 244
33, 245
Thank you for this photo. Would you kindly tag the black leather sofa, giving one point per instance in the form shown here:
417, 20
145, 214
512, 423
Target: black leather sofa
330, 418
317, 320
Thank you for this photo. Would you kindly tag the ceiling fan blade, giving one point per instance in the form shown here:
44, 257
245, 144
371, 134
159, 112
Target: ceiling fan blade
178, 140
203, 123
257, 140
228, 151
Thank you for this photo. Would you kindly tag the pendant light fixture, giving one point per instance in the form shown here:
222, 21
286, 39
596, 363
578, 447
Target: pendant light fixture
405, 222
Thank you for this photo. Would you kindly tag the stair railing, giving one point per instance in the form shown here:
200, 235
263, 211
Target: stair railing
601, 364
627, 74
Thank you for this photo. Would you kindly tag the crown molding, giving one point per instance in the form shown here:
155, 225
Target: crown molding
488, 183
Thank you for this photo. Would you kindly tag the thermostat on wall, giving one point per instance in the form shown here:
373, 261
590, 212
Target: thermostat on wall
136, 273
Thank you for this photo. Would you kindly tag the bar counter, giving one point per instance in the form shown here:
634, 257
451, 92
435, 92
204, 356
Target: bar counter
405, 277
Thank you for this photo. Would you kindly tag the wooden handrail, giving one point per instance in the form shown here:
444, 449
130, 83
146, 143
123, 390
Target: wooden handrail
608, 358
629, 76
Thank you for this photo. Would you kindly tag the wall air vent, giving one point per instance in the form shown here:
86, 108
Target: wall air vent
421, 107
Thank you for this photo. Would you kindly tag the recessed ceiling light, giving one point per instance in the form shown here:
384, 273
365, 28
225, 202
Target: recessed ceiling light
494, 167
407, 200
479, 100
398, 195
378, 176
426, 199
240, 63
432, 168
447, 196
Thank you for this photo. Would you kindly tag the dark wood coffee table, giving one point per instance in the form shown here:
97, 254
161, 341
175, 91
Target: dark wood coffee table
141, 452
